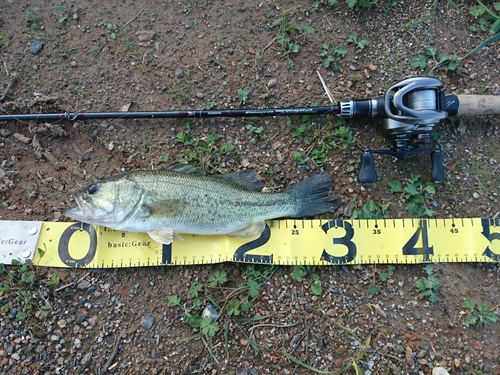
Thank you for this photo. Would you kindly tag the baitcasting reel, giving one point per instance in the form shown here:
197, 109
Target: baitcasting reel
409, 112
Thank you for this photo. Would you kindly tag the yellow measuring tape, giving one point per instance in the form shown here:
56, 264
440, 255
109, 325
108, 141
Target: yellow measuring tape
284, 242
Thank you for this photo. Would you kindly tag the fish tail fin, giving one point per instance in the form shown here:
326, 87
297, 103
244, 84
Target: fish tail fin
313, 197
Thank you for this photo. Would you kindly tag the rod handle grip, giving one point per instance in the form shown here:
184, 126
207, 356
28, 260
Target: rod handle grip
478, 105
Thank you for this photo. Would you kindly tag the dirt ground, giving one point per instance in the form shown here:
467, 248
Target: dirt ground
172, 55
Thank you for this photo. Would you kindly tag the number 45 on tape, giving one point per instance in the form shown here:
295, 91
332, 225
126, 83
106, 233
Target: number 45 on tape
283, 242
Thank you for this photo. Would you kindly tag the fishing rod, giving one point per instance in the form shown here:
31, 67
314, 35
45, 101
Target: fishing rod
409, 111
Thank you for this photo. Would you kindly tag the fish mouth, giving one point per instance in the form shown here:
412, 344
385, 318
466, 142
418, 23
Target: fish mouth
85, 210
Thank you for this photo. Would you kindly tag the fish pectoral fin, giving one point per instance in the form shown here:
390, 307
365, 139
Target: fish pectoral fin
165, 208
165, 236
252, 230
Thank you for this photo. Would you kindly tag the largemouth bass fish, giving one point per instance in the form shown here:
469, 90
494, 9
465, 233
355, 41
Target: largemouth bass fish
165, 203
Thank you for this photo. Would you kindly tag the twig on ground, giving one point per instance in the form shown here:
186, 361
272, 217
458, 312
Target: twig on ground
73, 283
271, 325
120, 29
325, 87
9, 86
269, 44
112, 357
210, 350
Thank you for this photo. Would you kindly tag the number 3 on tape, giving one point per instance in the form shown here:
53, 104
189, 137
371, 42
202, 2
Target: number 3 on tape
346, 240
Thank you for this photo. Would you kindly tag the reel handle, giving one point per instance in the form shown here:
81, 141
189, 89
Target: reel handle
437, 170
367, 173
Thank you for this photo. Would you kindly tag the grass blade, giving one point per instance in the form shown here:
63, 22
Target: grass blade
300, 363
493, 39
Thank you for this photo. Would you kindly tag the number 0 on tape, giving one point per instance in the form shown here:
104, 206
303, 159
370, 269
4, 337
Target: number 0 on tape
283, 242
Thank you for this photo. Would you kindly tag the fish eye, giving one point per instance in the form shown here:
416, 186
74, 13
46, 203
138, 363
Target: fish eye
93, 189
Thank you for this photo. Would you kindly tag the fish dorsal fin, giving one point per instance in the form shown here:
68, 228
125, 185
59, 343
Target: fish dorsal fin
246, 179
183, 168
165, 208
252, 230
165, 236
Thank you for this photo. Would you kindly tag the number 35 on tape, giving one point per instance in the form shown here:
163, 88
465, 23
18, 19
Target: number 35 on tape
284, 242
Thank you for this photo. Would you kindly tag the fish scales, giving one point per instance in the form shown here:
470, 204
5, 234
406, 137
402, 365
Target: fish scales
168, 202
204, 196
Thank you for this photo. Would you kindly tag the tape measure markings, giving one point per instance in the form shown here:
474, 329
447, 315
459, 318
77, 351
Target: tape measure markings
284, 242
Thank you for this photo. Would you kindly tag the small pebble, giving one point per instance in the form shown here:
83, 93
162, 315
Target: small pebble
148, 321
272, 82
36, 46
179, 73
440, 371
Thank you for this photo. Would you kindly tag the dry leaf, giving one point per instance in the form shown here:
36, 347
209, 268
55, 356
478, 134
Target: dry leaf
125, 107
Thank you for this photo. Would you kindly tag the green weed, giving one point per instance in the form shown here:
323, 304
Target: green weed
319, 140
478, 315
301, 158
415, 193
373, 288
331, 55
242, 96
4, 43
429, 286
486, 15
218, 278
289, 33
370, 210
185, 137
256, 133
361, 44
64, 14
223, 297
300, 274
361, 3
34, 19
204, 154
22, 284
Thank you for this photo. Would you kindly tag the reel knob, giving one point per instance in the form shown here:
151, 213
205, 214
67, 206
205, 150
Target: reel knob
437, 171
367, 173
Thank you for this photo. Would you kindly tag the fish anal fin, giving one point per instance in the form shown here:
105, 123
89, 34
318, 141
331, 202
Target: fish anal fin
252, 230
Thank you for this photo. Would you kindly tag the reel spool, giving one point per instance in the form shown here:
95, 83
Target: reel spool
413, 107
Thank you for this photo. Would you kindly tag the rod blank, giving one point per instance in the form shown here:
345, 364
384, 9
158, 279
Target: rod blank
334, 110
